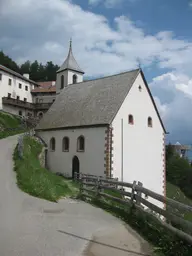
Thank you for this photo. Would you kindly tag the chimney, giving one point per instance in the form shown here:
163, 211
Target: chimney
26, 76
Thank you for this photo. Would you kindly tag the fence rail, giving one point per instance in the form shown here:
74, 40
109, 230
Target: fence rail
98, 186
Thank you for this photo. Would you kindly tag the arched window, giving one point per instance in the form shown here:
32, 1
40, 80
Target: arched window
81, 143
131, 119
52, 144
150, 122
62, 81
74, 79
65, 144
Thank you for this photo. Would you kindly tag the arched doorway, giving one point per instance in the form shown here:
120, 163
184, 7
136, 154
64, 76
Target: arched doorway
75, 166
40, 115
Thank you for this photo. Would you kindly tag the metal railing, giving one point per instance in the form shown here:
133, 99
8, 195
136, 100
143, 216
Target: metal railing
27, 105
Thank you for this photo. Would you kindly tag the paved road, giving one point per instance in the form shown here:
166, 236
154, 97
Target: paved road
33, 227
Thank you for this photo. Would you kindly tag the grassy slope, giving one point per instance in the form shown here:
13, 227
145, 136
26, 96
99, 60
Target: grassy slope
9, 121
175, 193
37, 181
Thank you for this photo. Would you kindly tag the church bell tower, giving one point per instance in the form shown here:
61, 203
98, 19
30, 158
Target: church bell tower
69, 72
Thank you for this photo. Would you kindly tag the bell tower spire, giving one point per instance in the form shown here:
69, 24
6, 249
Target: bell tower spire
70, 44
69, 72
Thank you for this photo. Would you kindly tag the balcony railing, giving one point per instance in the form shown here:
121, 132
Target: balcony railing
24, 104
42, 106
18, 103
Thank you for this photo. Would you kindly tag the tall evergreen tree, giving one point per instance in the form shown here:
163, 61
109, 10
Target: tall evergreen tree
34, 69
37, 71
41, 73
25, 67
8, 62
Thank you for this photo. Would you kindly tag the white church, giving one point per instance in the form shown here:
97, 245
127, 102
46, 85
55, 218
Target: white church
108, 126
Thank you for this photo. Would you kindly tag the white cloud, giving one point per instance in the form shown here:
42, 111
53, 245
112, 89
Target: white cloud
107, 3
176, 112
41, 31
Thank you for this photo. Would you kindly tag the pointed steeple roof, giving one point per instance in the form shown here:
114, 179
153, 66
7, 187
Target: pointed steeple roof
70, 63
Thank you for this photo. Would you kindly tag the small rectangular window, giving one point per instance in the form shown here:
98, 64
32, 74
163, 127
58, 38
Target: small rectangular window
26, 88
9, 95
131, 119
18, 97
25, 99
0, 76
20, 112
10, 81
20, 86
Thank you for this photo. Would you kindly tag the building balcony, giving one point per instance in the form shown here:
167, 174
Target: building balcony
26, 105
17, 103
42, 106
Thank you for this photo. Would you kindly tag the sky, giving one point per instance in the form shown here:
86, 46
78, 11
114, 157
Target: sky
111, 36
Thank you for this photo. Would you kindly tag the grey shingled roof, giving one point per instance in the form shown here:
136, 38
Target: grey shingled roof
70, 62
93, 102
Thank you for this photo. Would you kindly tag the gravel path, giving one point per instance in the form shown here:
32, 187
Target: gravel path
33, 227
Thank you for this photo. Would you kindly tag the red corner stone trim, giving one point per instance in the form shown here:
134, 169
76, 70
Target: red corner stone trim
108, 152
164, 169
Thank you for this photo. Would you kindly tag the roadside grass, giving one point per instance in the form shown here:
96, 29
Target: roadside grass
5, 134
38, 181
10, 121
175, 193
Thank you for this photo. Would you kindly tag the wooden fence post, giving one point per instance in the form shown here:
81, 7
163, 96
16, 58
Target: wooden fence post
139, 193
133, 192
81, 184
98, 187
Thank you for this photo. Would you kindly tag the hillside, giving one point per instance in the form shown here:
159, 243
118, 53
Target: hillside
10, 125
175, 193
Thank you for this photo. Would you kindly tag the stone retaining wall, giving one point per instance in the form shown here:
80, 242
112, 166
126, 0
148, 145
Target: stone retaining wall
42, 155
42, 158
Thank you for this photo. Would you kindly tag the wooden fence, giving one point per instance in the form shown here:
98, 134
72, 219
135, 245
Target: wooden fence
94, 186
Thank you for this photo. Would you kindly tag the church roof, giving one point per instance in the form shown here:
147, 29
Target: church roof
90, 103
70, 63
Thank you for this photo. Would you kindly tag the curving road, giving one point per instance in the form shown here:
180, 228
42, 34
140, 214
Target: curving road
33, 227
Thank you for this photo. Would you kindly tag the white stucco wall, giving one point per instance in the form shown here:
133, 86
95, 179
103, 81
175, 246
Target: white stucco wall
68, 79
143, 157
15, 110
91, 161
14, 89
44, 98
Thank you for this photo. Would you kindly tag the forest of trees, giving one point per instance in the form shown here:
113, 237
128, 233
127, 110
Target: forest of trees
37, 71
178, 171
